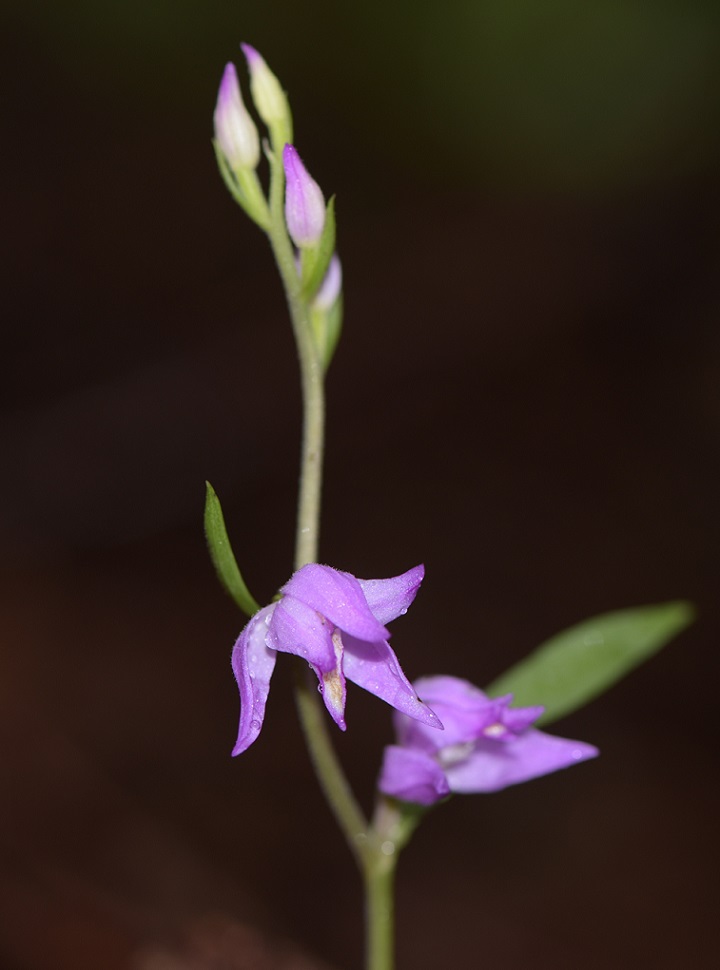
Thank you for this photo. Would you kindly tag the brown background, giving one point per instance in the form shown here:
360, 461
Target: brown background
525, 398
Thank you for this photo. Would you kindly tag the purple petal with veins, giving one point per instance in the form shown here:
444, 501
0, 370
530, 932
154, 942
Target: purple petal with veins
299, 629
253, 664
375, 667
390, 598
412, 776
337, 596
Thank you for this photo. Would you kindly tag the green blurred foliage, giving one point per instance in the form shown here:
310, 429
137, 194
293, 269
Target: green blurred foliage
582, 662
590, 95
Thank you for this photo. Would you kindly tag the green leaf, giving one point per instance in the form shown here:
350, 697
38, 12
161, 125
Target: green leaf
222, 554
568, 670
315, 262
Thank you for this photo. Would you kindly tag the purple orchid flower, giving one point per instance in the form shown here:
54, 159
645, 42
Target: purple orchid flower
336, 623
486, 746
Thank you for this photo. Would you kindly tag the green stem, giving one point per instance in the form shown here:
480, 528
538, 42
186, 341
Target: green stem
328, 769
373, 847
312, 716
311, 376
379, 909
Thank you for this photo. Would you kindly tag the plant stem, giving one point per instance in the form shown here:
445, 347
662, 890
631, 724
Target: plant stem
379, 879
311, 377
374, 850
330, 774
327, 766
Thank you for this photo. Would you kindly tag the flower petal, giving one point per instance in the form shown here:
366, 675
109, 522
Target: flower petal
299, 629
412, 776
492, 766
517, 719
337, 596
390, 598
375, 667
463, 708
332, 684
252, 664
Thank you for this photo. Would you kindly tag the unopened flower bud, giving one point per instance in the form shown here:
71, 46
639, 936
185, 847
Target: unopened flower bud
268, 96
330, 287
235, 131
304, 201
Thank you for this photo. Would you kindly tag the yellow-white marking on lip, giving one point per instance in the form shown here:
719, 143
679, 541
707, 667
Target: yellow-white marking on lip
333, 680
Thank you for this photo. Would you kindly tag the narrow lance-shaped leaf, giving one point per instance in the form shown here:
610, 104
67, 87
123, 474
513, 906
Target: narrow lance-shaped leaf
571, 668
222, 555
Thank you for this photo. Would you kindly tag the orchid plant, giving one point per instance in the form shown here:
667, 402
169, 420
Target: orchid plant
452, 737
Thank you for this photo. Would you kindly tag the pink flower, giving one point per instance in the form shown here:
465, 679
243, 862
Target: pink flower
486, 745
336, 623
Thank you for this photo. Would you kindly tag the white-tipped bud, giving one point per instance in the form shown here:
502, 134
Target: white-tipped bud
235, 131
268, 96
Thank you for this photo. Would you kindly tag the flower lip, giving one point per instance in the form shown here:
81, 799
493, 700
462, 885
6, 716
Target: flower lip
454, 753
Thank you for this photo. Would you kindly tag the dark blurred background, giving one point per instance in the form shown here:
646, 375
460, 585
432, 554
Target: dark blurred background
525, 398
